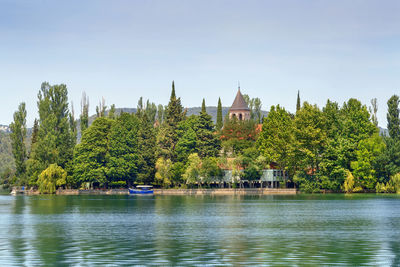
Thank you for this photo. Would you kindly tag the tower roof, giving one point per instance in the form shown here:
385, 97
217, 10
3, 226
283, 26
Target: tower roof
239, 103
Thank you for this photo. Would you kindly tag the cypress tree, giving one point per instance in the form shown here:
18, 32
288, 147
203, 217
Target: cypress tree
219, 115
393, 117
203, 106
298, 106
18, 135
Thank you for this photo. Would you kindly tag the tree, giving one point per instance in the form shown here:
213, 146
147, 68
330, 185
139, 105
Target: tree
18, 136
146, 151
35, 132
367, 151
192, 172
112, 113
186, 145
219, 116
373, 110
209, 170
348, 184
393, 117
208, 144
51, 178
238, 135
164, 172
310, 137
101, 108
160, 113
122, 156
276, 138
298, 104
90, 156
167, 137
254, 105
56, 139
84, 118
257, 110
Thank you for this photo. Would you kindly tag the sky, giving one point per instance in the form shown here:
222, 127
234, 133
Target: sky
122, 50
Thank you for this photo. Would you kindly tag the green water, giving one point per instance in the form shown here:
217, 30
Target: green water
179, 230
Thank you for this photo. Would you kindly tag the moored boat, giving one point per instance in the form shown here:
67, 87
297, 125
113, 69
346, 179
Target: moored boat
141, 190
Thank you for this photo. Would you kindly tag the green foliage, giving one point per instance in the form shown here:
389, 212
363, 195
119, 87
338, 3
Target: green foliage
122, 157
298, 104
393, 118
187, 144
35, 132
90, 156
276, 138
349, 183
310, 137
18, 136
146, 151
51, 178
192, 172
367, 151
208, 143
210, 170
306, 183
56, 139
84, 117
392, 186
237, 136
219, 116
254, 105
160, 113
164, 172
168, 137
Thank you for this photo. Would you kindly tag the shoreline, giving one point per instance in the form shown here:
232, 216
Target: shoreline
178, 192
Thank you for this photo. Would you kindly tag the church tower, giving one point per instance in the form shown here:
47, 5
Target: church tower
239, 108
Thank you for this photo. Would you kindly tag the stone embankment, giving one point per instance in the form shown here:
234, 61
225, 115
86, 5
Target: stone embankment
216, 191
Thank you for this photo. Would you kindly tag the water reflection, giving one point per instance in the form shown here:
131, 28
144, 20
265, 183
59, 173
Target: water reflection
307, 230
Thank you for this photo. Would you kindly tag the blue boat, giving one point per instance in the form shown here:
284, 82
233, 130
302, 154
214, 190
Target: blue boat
141, 190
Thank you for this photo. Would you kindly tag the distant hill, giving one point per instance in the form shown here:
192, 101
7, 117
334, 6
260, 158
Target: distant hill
190, 111
5, 128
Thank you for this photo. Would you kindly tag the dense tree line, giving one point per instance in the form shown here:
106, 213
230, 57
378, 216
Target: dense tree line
337, 148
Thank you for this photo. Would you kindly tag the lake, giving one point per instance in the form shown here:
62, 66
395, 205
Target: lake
178, 230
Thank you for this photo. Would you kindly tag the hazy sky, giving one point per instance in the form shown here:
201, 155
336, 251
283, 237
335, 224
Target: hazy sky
126, 49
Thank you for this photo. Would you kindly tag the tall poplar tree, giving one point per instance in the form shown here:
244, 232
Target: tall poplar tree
35, 132
393, 117
219, 115
55, 137
18, 136
84, 118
